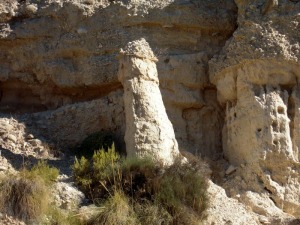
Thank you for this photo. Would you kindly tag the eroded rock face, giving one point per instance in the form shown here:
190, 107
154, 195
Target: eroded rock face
257, 81
149, 131
59, 58
191, 103
228, 213
59, 66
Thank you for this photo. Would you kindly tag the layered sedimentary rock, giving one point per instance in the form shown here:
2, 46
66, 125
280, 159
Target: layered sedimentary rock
257, 80
149, 132
58, 54
229, 84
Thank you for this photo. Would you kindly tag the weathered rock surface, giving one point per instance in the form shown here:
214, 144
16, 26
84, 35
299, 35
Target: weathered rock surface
219, 68
8, 220
65, 195
13, 137
149, 131
256, 76
70, 124
224, 210
64, 52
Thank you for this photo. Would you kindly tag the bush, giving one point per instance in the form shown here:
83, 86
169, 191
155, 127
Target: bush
183, 192
43, 171
152, 214
104, 163
81, 171
56, 216
26, 195
96, 177
94, 142
174, 195
26, 199
140, 178
116, 210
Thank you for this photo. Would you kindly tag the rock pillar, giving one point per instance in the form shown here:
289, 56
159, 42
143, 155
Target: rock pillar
257, 76
149, 131
261, 132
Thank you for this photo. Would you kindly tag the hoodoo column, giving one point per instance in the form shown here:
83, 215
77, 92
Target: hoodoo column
149, 131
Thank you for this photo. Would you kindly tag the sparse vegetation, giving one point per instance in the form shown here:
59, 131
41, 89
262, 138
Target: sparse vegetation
133, 191
94, 177
95, 141
24, 198
56, 216
43, 171
183, 192
126, 191
152, 214
115, 210
26, 195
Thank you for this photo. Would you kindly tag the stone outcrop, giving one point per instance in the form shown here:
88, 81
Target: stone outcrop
257, 80
228, 213
228, 74
149, 131
60, 57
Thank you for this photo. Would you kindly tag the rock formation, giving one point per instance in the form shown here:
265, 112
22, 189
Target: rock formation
257, 81
62, 57
228, 74
149, 131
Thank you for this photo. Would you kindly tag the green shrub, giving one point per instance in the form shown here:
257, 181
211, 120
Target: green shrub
140, 178
96, 178
44, 171
173, 195
105, 163
94, 142
81, 172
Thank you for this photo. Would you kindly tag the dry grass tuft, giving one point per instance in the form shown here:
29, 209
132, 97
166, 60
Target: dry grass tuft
56, 216
116, 210
182, 190
26, 196
23, 198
